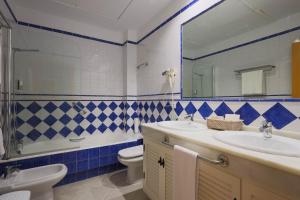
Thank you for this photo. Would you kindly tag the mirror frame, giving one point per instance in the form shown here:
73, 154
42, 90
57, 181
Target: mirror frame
240, 98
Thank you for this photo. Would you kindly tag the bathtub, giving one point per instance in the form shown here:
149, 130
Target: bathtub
49, 147
94, 155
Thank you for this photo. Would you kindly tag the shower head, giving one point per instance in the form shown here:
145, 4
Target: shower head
25, 50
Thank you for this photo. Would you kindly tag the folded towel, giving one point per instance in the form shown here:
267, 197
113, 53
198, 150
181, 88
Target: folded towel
253, 83
232, 117
185, 161
2, 149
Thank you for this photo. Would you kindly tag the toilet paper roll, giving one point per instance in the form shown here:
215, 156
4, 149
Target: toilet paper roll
136, 125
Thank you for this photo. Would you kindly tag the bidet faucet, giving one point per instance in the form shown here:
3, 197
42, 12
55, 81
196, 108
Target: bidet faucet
190, 116
266, 129
8, 170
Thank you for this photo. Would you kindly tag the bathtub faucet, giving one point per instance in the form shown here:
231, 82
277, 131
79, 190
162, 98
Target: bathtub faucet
8, 170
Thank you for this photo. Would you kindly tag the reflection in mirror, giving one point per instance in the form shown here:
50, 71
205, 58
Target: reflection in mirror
240, 49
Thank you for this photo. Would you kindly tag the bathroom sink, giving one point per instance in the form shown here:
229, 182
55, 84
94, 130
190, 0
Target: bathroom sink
182, 125
254, 141
38, 180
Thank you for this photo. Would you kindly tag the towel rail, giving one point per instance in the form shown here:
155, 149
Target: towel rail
264, 68
222, 160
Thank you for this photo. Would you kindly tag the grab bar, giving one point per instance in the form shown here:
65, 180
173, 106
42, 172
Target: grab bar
76, 139
222, 160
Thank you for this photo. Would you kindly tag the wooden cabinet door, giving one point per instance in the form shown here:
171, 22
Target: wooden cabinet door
254, 192
213, 184
168, 157
152, 171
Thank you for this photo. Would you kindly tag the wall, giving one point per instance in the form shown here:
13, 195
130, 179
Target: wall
162, 50
66, 65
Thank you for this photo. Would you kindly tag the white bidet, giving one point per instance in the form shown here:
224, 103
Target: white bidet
38, 180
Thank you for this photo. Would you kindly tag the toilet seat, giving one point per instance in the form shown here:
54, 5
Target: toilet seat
131, 152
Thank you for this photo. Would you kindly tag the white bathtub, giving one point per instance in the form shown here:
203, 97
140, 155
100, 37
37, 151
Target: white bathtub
65, 145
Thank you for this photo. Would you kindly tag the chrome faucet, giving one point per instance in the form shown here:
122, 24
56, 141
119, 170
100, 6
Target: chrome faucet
266, 129
8, 170
190, 116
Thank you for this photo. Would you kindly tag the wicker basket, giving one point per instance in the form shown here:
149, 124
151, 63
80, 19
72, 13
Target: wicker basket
221, 124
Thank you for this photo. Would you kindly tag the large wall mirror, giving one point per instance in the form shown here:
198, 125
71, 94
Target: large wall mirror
240, 48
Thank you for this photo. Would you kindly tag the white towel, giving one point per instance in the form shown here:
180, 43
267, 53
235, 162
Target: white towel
232, 117
2, 150
253, 83
185, 162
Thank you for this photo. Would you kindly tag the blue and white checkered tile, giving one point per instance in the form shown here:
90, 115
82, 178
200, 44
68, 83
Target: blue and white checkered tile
131, 112
283, 115
51, 119
155, 111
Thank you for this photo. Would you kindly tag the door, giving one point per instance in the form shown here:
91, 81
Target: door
254, 192
152, 170
158, 169
168, 157
213, 184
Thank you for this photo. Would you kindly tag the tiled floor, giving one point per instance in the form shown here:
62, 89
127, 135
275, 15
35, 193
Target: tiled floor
111, 186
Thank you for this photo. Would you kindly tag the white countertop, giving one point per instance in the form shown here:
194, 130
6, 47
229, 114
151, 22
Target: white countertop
205, 138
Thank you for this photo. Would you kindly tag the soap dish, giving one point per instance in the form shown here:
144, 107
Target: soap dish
222, 124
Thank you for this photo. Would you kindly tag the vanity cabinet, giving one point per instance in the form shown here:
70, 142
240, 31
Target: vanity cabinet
212, 183
158, 171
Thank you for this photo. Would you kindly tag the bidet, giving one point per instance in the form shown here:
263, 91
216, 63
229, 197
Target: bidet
38, 180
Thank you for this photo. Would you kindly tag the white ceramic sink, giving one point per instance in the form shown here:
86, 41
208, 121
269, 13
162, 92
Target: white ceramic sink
255, 141
182, 125
38, 180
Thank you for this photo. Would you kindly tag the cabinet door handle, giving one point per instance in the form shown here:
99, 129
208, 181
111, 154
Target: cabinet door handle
163, 163
159, 161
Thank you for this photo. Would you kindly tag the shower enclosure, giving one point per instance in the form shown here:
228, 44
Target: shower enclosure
6, 117
37, 69
202, 80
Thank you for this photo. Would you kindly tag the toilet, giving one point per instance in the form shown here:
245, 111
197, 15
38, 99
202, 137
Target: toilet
132, 158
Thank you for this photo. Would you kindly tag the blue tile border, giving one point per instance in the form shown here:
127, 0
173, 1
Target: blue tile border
10, 11
168, 20
203, 12
68, 33
92, 95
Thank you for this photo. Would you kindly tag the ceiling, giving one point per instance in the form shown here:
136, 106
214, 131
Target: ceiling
113, 14
234, 17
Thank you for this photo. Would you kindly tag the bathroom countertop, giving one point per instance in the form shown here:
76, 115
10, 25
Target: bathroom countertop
205, 138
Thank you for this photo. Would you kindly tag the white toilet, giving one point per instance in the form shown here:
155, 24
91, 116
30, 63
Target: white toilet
132, 158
